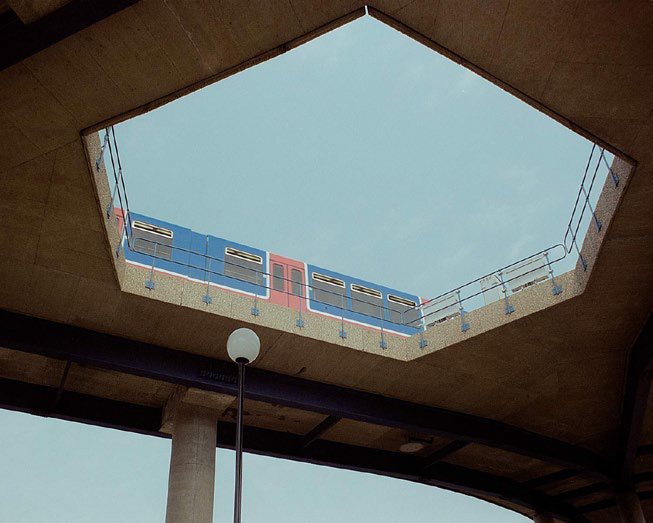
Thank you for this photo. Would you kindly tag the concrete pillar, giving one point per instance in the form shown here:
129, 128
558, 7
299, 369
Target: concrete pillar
541, 517
192, 464
629, 507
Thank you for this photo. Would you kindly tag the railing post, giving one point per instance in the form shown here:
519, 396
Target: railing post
123, 233
207, 271
300, 322
115, 190
342, 332
597, 222
382, 343
555, 289
615, 178
422, 327
509, 309
104, 145
464, 326
582, 261
149, 284
254, 310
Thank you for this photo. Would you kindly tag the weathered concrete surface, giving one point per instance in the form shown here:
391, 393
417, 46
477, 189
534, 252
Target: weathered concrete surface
31, 10
558, 371
192, 462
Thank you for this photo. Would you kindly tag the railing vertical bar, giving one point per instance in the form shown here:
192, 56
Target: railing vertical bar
255, 310
342, 332
555, 289
149, 284
464, 326
615, 178
104, 145
300, 322
509, 309
382, 343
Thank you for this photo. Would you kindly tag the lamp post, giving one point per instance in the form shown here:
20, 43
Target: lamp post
243, 347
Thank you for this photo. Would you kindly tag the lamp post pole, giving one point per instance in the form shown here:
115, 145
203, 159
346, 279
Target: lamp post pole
243, 347
239, 441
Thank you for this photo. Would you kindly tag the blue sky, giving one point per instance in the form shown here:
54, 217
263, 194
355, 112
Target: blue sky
363, 152
61, 472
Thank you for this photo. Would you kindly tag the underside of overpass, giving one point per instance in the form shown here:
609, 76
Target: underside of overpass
543, 411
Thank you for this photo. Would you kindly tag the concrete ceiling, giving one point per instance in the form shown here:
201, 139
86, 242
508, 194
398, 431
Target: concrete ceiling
560, 372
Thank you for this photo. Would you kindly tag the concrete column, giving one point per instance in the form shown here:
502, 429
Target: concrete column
192, 464
541, 517
629, 506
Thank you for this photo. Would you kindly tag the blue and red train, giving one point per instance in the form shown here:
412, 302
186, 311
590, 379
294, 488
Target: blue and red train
234, 267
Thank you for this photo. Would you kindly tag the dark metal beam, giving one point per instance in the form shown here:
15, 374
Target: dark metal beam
85, 347
319, 429
597, 505
643, 477
580, 492
607, 503
83, 408
62, 383
554, 477
644, 450
36, 399
646, 495
443, 452
638, 384
19, 41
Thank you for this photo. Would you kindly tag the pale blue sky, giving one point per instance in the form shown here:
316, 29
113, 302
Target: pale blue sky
363, 152
61, 472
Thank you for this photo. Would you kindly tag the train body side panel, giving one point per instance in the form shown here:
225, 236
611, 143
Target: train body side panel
244, 269
287, 282
179, 253
199, 265
250, 281
346, 301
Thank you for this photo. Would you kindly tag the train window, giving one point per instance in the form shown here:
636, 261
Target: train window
366, 290
328, 279
242, 265
152, 228
296, 282
277, 277
402, 301
366, 301
328, 290
403, 311
243, 255
151, 240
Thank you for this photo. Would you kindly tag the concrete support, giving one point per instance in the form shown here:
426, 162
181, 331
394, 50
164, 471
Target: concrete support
192, 464
32, 10
541, 517
630, 509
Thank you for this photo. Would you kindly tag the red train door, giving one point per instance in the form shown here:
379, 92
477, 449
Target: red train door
287, 278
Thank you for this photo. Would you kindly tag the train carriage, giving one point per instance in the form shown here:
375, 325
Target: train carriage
235, 267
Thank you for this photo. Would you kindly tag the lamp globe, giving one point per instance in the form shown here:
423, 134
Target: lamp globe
243, 345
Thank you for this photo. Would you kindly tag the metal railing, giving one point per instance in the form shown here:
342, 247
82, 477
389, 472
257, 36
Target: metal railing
422, 315
570, 240
552, 255
472, 289
116, 184
260, 281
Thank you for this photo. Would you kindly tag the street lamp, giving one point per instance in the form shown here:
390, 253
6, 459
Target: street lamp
243, 347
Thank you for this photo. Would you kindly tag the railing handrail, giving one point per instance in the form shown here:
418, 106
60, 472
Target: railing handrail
262, 273
571, 234
580, 190
502, 269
